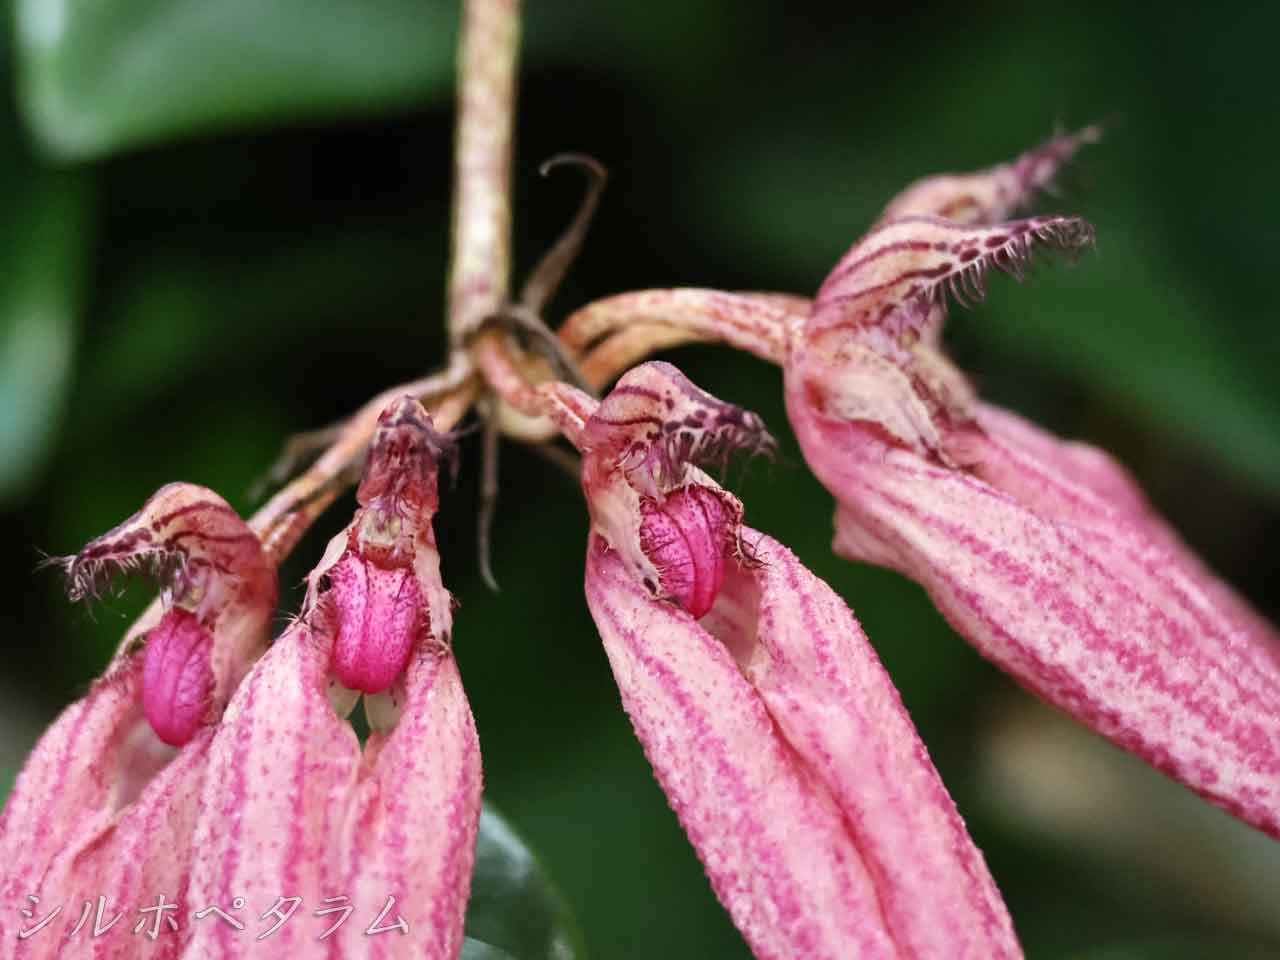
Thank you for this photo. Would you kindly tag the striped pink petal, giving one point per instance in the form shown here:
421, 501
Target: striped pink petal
104, 805
1040, 469
805, 654
774, 843
1080, 600
293, 807
68, 791
143, 854
793, 768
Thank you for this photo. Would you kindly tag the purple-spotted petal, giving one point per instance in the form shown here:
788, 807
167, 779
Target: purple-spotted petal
773, 841
881, 293
1073, 481
144, 852
68, 789
804, 653
1095, 615
376, 611
293, 807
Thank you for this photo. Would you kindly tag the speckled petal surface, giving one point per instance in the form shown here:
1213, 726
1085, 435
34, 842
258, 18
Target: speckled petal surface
1099, 619
805, 654
771, 837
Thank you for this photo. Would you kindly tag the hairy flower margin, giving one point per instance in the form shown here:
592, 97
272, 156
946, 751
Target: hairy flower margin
273, 796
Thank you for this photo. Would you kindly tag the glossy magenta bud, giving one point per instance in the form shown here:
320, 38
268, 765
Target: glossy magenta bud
685, 536
378, 619
177, 679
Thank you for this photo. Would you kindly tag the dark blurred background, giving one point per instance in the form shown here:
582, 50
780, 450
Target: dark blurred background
221, 223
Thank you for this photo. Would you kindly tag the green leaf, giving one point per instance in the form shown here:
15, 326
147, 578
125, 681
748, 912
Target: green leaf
1175, 948
100, 75
475, 950
7, 778
42, 250
515, 913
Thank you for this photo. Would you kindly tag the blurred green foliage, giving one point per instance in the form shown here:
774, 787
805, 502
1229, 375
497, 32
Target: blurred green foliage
225, 222
514, 909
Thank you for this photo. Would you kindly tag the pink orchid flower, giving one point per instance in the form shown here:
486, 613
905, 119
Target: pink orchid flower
293, 806
107, 801
779, 739
1043, 554
269, 801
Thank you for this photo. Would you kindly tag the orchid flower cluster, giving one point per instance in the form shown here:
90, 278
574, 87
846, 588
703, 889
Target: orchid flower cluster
218, 764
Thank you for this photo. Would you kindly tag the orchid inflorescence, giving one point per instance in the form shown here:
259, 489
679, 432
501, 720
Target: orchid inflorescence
778, 737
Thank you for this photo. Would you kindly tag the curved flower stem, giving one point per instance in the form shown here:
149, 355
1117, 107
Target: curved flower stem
282, 520
627, 347
613, 334
481, 257
502, 374
756, 323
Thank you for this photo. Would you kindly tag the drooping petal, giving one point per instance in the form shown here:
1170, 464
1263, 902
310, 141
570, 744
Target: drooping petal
804, 725
68, 788
293, 808
1041, 470
410, 828
807, 658
772, 840
1097, 617
71, 822
281, 769
144, 853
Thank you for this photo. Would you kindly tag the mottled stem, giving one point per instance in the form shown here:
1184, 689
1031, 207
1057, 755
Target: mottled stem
282, 520
480, 264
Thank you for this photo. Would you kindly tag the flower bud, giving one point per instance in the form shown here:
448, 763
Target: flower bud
219, 592
673, 526
377, 591
377, 612
685, 537
177, 681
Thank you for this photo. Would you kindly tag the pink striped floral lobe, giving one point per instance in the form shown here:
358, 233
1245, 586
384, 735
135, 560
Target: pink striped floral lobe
107, 801
1044, 554
378, 596
671, 523
219, 593
776, 734
392, 822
